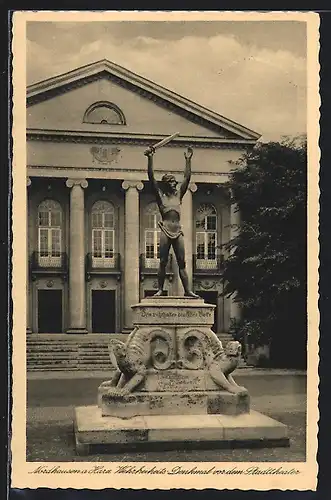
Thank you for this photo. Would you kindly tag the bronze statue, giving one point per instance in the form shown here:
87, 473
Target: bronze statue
169, 200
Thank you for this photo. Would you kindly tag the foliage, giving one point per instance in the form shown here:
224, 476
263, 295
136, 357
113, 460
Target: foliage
266, 268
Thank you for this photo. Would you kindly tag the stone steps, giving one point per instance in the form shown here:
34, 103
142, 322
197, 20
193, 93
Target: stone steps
62, 352
46, 352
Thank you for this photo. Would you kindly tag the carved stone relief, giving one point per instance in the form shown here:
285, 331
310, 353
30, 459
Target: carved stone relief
207, 284
105, 154
162, 350
191, 355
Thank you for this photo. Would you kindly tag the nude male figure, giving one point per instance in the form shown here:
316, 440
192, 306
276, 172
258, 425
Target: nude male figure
169, 200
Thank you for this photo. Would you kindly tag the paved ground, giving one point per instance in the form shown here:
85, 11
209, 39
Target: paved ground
51, 402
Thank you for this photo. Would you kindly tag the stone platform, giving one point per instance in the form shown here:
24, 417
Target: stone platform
96, 433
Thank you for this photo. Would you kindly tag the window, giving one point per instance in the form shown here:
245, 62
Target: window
206, 237
104, 113
49, 234
103, 234
152, 235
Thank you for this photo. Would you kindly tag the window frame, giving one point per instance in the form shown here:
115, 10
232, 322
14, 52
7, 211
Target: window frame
103, 261
152, 210
205, 233
52, 258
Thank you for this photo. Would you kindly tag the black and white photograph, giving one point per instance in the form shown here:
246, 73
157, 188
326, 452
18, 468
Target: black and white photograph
165, 250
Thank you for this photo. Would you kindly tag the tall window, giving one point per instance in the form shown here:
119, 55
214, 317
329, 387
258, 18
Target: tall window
49, 233
206, 237
103, 234
152, 235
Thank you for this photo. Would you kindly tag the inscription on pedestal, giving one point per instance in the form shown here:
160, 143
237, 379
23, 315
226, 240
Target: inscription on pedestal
150, 315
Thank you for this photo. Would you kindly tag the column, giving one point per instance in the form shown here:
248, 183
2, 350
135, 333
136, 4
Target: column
77, 304
131, 252
187, 220
28, 316
234, 230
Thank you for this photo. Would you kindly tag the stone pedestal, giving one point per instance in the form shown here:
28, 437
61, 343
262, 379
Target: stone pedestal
173, 368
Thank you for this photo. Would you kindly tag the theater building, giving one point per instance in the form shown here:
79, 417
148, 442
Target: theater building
92, 220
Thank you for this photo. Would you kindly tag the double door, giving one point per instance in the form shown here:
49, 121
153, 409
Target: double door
50, 311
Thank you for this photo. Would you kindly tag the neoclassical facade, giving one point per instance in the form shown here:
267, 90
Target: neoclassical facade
92, 221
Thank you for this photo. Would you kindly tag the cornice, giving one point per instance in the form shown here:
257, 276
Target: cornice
118, 170
86, 137
46, 93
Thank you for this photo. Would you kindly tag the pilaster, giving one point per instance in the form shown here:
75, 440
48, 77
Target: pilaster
77, 299
131, 252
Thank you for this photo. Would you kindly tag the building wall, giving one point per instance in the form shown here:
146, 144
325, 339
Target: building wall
108, 190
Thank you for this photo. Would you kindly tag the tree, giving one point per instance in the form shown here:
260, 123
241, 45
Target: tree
266, 269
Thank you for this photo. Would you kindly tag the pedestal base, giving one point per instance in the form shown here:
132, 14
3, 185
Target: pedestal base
174, 403
112, 434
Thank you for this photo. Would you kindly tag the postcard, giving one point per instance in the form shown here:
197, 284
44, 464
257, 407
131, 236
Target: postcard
165, 250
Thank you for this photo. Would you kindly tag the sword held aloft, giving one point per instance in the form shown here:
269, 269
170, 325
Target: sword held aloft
164, 141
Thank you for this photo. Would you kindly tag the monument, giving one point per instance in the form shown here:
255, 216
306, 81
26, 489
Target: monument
169, 199
173, 382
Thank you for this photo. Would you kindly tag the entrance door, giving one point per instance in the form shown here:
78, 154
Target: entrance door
210, 298
50, 311
103, 311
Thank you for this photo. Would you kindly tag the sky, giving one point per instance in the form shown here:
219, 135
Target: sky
251, 72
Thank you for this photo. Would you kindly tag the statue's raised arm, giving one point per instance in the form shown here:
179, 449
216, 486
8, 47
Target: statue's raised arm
187, 172
150, 170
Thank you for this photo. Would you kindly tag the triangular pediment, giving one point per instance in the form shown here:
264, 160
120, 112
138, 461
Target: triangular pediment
61, 102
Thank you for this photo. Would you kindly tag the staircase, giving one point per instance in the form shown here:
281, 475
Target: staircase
65, 352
